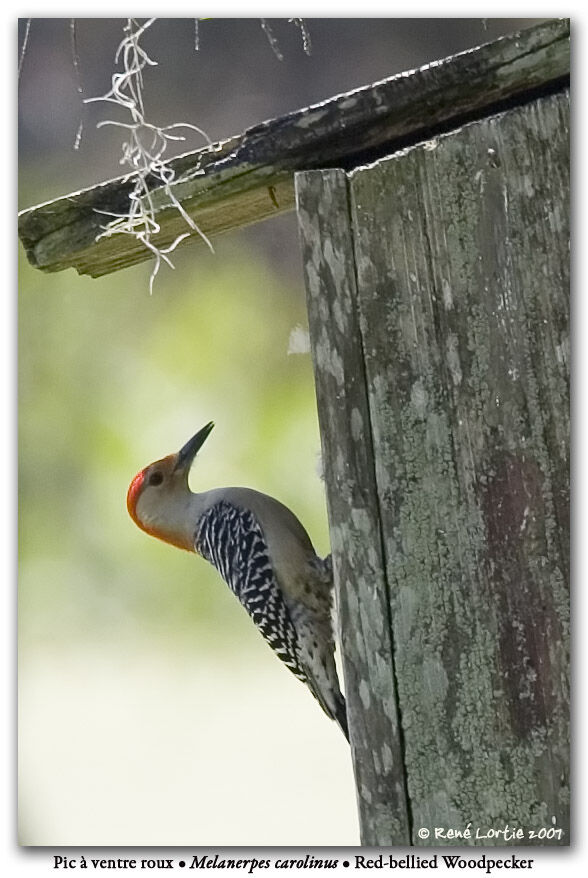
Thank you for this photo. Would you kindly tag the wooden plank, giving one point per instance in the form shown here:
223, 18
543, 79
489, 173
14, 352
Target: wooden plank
323, 215
463, 281
250, 177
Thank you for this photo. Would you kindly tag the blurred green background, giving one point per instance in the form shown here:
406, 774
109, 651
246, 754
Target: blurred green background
150, 710
125, 642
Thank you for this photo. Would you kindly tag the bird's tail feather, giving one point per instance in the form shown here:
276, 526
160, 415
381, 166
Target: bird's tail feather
341, 717
335, 706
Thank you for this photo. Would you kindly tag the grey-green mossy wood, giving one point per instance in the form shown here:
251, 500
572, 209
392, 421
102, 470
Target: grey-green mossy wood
437, 285
251, 176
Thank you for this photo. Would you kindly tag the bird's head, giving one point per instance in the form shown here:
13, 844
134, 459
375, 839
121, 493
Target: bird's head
159, 499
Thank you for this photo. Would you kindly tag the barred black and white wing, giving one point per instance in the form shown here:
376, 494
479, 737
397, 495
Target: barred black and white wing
232, 540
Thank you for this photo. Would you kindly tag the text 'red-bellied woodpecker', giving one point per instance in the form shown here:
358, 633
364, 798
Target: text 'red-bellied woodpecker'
264, 555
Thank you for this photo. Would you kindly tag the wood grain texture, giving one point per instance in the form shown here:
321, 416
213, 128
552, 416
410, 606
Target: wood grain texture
365, 630
461, 248
250, 177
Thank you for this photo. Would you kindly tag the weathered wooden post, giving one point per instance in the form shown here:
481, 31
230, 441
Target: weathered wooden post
437, 282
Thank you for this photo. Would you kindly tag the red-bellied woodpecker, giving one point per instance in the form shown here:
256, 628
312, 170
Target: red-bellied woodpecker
264, 555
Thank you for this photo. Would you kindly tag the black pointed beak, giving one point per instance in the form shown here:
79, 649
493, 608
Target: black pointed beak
187, 454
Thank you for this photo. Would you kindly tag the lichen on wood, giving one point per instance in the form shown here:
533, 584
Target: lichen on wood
447, 415
323, 213
250, 177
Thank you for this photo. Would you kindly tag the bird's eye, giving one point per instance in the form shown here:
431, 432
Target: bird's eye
155, 478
